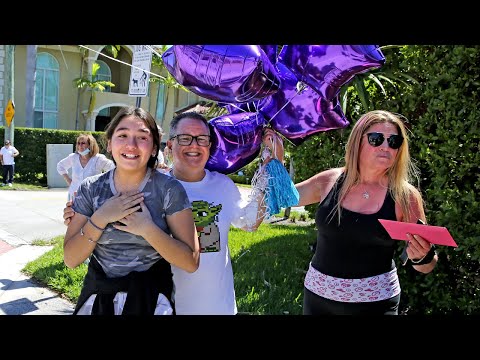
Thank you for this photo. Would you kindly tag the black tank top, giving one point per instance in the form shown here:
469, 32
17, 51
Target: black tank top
359, 247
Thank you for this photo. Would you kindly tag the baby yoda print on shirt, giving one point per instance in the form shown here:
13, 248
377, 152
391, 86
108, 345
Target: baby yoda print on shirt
205, 217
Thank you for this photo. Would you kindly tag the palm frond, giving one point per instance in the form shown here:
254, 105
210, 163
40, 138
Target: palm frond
359, 86
81, 83
95, 68
387, 79
378, 82
112, 50
214, 110
343, 98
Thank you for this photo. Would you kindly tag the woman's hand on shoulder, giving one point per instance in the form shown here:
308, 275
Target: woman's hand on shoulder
68, 212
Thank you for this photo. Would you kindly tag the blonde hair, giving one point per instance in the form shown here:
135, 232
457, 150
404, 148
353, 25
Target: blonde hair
400, 175
92, 144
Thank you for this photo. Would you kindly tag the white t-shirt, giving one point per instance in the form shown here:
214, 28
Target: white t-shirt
160, 157
7, 154
96, 165
216, 204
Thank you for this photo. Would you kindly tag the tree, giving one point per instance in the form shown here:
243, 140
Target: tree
91, 83
361, 82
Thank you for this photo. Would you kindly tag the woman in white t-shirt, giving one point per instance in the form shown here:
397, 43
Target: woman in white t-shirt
84, 162
162, 166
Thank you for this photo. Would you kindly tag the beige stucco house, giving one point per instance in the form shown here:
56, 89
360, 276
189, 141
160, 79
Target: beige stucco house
59, 104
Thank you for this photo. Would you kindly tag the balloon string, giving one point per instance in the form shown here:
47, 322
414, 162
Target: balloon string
255, 104
300, 87
239, 108
288, 102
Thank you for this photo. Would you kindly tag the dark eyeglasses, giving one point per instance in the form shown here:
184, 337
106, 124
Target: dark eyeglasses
82, 143
185, 139
376, 139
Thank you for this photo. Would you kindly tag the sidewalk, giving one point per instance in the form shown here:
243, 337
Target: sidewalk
26, 216
19, 295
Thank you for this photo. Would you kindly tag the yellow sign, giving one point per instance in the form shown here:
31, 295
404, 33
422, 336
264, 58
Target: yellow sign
9, 111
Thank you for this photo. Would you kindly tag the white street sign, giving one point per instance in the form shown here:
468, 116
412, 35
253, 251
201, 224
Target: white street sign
140, 71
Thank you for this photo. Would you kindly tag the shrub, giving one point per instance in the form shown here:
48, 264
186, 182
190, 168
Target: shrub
441, 112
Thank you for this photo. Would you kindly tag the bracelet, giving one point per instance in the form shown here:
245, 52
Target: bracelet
83, 234
95, 226
427, 259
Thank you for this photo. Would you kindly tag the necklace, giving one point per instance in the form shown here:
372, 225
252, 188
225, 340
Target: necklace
365, 195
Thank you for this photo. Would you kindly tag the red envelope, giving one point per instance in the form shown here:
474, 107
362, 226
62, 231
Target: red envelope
434, 234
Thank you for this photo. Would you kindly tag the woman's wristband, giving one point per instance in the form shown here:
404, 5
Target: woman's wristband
427, 259
94, 225
89, 239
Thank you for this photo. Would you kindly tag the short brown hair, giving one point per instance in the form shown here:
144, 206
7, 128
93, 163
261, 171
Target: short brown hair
92, 143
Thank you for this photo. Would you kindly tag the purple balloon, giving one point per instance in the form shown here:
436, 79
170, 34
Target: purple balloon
297, 114
271, 51
253, 106
226, 73
326, 68
236, 141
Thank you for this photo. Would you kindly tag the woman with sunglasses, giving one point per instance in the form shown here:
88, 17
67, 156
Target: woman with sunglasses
353, 269
84, 162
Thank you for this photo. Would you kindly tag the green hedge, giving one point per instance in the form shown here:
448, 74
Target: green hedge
442, 114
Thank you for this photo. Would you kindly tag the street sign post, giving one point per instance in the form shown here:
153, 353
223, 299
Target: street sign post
9, 112
140, 72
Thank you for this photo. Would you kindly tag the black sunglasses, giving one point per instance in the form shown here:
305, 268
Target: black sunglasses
376, 139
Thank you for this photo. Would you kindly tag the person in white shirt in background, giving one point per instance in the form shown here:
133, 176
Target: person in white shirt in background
84, 162
161, 164
7, 154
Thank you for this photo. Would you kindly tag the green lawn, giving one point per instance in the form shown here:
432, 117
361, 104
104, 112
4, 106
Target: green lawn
269, 266
25, 187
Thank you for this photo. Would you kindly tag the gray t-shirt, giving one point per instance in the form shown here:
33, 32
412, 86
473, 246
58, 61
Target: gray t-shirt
120, 252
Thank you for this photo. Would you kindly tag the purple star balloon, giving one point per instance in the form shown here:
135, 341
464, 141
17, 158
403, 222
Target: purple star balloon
298, 113
236, 141
271, 52
326, 68
253, 106
226, 73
